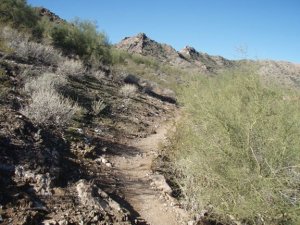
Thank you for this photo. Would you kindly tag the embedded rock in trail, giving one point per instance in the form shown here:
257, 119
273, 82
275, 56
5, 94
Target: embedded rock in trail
94, 198
161, 184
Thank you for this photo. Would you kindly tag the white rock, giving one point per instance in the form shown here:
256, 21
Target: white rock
108, 165
190, 223
49, 222
63, 222
103, 160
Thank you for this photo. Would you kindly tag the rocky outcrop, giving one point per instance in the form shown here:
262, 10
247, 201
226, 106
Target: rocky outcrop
204, 60
43, 12
141, 44
187, 58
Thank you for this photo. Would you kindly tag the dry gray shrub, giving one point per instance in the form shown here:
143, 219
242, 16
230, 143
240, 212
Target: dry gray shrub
70, 67
23, 48
98, 106
128, 90
46, 104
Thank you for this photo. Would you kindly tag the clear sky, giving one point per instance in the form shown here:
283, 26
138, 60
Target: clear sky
266, 29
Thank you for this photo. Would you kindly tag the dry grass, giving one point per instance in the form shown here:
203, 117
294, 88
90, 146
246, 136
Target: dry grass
98, 106
46, 105
47, 81
20, 45
128, 90
70, 67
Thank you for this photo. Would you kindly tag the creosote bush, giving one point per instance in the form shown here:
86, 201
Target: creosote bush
237, 150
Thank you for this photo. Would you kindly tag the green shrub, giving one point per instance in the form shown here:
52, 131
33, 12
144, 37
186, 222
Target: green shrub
237, 149
82, 38
20, 15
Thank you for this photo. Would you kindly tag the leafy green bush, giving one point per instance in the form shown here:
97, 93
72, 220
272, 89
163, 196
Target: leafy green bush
20, 15
237, 149
82, 38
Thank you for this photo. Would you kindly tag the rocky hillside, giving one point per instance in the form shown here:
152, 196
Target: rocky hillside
188, 58
191, 60
79, 133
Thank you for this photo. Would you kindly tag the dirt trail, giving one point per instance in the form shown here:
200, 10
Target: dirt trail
151, 205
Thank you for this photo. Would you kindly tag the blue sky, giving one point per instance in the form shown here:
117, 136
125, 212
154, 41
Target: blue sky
266, 29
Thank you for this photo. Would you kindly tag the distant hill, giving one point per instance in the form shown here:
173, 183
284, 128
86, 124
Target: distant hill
189, 58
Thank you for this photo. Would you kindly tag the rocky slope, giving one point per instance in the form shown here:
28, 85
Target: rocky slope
189, 59
63, 174
97, 169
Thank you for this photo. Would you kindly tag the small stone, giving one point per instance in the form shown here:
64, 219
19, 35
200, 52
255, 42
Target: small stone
49, 222
191, 222
108, 165
63, 222
103, 160
96, 218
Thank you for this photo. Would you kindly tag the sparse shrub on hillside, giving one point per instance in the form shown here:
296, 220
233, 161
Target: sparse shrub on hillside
46, 104
47, 107
98, 106
119, 56
98, 74
47, 81
20, 45
70, 67
82, 38
128, 90
237, 150
18, 14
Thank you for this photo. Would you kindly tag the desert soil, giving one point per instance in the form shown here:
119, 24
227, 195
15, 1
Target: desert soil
144, 191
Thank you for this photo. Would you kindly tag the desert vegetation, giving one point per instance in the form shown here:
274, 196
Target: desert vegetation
236, 151
81, 38
234, 156
46, 104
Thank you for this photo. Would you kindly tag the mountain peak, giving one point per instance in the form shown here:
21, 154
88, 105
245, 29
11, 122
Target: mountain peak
188, 50
142, 36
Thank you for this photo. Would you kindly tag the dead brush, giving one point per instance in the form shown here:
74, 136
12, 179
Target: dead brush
128, 90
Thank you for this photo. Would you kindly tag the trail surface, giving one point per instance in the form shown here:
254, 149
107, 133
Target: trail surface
153, 206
